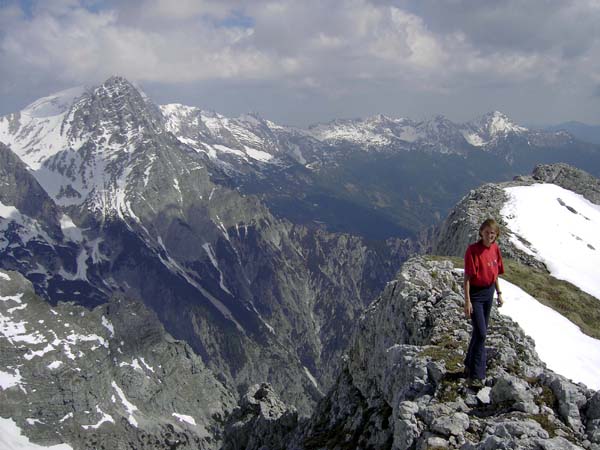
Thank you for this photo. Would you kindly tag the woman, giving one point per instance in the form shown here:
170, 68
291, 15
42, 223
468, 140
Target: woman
483, 264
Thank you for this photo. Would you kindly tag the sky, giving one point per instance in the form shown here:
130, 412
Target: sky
303, 62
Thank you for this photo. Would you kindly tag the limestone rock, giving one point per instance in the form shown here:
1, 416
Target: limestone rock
402, 386
514, 391
455, 424
261, 421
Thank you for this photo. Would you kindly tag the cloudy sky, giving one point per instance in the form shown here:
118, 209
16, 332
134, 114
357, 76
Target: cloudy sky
304, 61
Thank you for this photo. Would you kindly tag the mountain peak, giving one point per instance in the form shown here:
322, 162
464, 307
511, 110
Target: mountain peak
117, 81
496, 122
252, 117
53, 104
116, 86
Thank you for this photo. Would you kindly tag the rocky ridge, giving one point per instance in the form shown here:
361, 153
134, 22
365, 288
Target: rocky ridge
462, 224
401, 385
107, 378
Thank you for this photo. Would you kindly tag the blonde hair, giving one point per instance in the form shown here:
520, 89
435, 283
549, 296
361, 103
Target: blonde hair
492, 224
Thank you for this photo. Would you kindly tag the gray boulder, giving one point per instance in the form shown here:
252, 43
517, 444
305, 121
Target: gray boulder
514, 391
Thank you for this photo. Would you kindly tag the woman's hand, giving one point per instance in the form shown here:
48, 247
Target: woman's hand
468, 308
500, 300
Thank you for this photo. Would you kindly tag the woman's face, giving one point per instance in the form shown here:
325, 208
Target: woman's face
488, 236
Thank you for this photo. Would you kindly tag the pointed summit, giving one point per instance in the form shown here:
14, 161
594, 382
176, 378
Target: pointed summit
489, 128
497, 123
116, 107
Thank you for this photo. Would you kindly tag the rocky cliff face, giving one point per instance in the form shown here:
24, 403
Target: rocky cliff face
138, 212
107, 378
401, 386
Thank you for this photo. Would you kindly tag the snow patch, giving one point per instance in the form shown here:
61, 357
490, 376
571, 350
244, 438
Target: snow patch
558, 227
13, 298
258, 154
8, 380
130, 407
9, 211
224, 149
33, 421
146, 365
103, 419
70, 230
12, 438
213, 259
474, 139
184, 418
55, 365
558, 342
108, 325
17, 332
134, 364
409, 134
32, 354
310, 376
4, 276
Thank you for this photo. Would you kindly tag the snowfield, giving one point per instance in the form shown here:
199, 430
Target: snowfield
558, 342
11, 438
559, 228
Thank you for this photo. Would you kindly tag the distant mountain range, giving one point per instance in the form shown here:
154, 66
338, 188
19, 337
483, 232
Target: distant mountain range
582, 131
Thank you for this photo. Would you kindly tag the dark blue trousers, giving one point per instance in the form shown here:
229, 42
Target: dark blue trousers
482, 299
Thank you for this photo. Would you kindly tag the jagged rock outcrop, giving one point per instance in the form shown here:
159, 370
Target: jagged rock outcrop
462, 224
107, 378
570, 178
38, 239
261, 421
401, 385
20, 189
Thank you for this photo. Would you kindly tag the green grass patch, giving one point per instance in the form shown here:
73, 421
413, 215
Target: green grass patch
579, 307
546, 424
458, 262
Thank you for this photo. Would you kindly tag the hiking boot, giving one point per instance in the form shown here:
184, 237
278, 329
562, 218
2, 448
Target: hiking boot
476, 383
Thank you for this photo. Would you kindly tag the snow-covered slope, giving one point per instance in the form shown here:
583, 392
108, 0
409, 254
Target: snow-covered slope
11, 437
492, 126
558, 227
37, 132
246, 139
382, 132
378, 130
559, 342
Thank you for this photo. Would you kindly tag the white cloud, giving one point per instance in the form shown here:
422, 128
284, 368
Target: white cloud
329, 48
